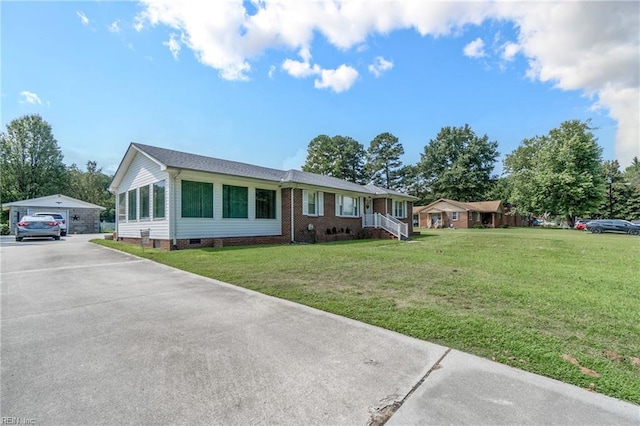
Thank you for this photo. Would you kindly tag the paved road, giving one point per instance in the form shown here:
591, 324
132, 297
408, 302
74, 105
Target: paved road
94, 336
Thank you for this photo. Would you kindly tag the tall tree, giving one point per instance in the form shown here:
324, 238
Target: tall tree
560, 173
31, 160
630, 198
383, 161
457, 164
92, 186
338, 156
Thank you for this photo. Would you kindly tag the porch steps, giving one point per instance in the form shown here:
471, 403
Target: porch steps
384, 235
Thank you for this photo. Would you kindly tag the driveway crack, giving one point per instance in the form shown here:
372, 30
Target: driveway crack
382, 415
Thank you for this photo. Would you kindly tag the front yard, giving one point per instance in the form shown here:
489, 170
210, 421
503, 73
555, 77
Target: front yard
561, 303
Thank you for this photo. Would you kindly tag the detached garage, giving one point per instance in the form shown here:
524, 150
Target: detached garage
81, 217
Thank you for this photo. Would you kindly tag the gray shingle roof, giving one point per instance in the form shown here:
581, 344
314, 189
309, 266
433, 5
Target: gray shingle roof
183, 160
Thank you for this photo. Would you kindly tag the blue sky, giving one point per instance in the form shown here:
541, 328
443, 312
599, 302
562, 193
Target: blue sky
255, 82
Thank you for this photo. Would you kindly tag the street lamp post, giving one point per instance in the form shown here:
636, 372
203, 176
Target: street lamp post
610, 182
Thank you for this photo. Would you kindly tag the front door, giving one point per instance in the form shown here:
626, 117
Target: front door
435, 219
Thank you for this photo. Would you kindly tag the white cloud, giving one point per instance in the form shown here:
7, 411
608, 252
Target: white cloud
115, 26
30, 98
272, 71
509, 51
587, 46
83, 18
475, 49
379, 66
338, 80
174, 46
300, 69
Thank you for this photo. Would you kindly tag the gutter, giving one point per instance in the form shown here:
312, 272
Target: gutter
293, 234
174, 211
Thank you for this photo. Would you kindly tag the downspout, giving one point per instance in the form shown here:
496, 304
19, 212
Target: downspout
293, 234
174, 211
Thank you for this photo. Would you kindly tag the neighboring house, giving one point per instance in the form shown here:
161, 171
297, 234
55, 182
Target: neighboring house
445, 213
185, 201
81, 217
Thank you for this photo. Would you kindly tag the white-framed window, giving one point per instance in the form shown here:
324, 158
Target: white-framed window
454, 215
312, 203
158, 200
122, 207
347, 206
132, 202
400, 209
144, 202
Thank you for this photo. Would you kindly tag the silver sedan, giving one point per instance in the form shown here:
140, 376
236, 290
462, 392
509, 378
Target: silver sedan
37, 226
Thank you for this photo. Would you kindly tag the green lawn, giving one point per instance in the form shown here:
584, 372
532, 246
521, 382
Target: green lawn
561, 303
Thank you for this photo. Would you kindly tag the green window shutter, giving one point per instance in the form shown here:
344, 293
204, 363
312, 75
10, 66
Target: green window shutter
235, 202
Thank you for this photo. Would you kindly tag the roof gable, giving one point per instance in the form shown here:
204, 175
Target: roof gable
54, 201
444, 204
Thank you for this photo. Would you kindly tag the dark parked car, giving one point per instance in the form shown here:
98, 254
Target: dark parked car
37, 226
613, 225
59, 218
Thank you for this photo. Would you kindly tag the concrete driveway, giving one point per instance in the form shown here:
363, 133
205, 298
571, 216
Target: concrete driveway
94, 336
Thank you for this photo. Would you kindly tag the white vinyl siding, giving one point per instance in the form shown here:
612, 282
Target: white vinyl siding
220, 227
312, 203
143, 171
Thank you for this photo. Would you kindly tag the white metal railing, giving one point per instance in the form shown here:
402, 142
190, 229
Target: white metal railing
388, 223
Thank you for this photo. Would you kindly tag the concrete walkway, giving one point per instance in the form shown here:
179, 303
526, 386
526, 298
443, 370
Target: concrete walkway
94, 336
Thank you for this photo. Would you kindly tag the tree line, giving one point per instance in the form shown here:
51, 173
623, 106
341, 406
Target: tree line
561, 173
32, 166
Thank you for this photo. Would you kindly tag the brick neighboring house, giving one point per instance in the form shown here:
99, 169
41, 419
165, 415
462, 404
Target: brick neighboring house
445, 213
185, 200
81, 217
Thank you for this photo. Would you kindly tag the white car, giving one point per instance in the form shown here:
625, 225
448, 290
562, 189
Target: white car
62, 221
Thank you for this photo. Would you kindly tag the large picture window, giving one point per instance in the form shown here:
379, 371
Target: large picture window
158, 200
265, 204
235, 202
144, 202
197, 199
122, 207
347, 206
133, 208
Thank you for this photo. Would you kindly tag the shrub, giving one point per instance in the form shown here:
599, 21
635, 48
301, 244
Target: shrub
478, 226
504, 225
4, 229
363, 234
